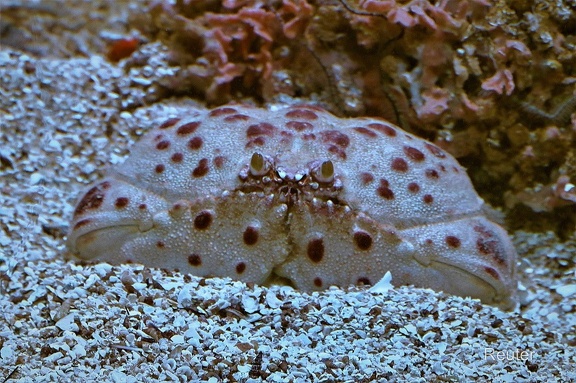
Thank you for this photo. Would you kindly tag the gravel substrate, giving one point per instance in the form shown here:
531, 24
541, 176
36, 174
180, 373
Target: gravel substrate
63, 120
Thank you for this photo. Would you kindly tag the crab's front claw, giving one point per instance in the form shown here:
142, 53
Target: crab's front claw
467, 257
108, 213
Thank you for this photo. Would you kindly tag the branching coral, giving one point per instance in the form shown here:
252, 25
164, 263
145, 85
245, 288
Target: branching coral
228, 47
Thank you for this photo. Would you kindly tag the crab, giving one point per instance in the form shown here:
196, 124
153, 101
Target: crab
296, 195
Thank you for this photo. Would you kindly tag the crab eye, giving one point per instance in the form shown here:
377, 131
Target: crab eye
258, 165
325, 172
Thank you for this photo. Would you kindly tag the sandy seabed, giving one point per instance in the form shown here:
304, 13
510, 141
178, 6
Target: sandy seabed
63, 121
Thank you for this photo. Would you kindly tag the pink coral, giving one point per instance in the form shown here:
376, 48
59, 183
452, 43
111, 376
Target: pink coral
435, 103
546, 198
234, 36
297, 15
501, 82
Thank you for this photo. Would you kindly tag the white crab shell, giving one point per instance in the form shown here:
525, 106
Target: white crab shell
296, 195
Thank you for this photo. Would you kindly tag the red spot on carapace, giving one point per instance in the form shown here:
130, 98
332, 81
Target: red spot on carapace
236, 118
302, 114
121, 202
490, 247
318, 282
159, 168
240, 267
160, 244
432, 174
413, 153
176, 208
202, 169
222, 112
299, 125
309, 137
219, 161
177, 157
487, 243
187, 128
384, 191
366, 132
195, 143
452, 241
413, 187
315, 250
142, 206
257, 141
81, 223
399, 164
203, 220
363, 281
92, 199
428, 198
165, 144
250, 235
492, 272
387, 130
363, 240
435, 150
337, 151
335, 137
366, 178
286, 137
168, 123
261, 129
194, 260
